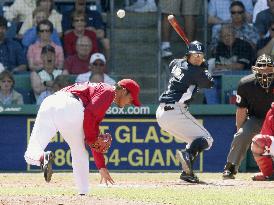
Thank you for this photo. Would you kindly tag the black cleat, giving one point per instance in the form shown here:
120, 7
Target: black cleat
46, 165
185, 159
229, 171
228, 175
191, 178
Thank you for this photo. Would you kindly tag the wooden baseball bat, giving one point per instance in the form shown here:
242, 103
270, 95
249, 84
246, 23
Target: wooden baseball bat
174, 23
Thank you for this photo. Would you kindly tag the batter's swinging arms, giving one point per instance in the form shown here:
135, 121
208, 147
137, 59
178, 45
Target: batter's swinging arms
76, 112
188, 74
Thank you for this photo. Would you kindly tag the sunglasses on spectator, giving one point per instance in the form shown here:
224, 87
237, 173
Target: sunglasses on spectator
98, 64
272, 29
44, 31
237, 12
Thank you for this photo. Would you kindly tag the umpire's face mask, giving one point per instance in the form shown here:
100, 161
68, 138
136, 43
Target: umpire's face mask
264, 75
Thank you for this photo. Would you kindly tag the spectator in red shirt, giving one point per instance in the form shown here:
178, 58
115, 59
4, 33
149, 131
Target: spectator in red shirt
76, 112
79, 62
79, 29
94, 23
263, 148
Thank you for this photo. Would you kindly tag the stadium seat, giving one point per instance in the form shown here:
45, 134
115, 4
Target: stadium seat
22, 81
23, 86
229, 83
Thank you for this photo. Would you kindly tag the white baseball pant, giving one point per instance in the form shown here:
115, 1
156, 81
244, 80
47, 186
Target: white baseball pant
61, 112
181, 124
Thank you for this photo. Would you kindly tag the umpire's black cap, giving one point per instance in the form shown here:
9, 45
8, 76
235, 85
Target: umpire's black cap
195, 47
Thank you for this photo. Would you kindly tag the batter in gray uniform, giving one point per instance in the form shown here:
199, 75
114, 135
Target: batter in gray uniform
255, 94
187, 75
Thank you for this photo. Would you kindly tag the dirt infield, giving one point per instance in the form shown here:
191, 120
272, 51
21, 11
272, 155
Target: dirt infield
29, 189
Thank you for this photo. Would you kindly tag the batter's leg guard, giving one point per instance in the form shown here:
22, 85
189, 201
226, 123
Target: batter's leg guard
229, 171
197, 146
188, 156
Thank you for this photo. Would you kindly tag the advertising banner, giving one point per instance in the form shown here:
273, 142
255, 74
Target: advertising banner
138, 144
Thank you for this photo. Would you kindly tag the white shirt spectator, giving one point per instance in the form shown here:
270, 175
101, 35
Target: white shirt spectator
20, 9
86, 76
259, 6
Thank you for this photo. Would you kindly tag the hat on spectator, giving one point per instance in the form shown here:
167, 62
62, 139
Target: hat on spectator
97, 56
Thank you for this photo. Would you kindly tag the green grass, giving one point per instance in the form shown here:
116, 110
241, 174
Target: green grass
154, 188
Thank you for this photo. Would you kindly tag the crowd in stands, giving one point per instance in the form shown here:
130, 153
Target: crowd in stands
48, 43
51, 47
248, 28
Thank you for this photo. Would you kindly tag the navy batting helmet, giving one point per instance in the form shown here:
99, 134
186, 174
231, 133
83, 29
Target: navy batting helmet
195, 47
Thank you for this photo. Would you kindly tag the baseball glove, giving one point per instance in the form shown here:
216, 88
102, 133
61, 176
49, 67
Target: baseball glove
103, 143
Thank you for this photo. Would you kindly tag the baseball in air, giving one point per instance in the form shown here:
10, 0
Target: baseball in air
121, 13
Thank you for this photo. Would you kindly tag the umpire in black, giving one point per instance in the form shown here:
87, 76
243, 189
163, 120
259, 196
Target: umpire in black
255, 94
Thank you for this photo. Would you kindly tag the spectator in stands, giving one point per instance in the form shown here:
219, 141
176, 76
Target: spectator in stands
219, 13
31, 36
79, 63
190, 10
266, 45
8, 96
53, 16
12, 56
79, 29
94, 22
59, 82
93, 17
96, 78
19, 10
259, 6
97, 65
264, 19
44, 30
232, 53
42, 80
242, 29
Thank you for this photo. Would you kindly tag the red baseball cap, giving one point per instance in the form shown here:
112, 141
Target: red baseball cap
133, 88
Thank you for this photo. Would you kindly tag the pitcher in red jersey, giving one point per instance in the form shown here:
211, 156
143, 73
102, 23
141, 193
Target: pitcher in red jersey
76, 112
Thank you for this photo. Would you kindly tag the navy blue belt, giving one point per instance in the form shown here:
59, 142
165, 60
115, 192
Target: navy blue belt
168, 107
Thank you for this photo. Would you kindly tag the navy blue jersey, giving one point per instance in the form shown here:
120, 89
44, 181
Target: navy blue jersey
184, 81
